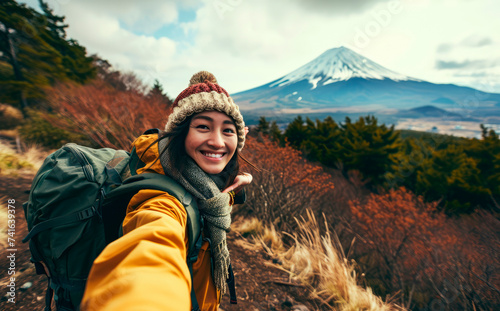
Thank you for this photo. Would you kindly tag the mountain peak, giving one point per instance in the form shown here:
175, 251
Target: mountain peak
338, 64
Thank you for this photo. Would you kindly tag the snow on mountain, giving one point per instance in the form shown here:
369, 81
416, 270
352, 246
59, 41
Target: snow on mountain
338, 64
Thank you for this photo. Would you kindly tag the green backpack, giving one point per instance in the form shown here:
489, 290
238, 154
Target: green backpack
76, 205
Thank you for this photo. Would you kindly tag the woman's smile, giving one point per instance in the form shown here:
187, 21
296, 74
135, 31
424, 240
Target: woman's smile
215, 156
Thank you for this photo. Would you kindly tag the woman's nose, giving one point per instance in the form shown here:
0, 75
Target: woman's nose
216, 140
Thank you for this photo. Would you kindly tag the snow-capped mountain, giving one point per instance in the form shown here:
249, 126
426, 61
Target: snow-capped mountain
341, 81
338, 64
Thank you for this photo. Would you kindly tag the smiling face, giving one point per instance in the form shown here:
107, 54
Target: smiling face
211, 140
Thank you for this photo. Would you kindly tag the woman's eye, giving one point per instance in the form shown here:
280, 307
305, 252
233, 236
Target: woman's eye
202, 126
229, 131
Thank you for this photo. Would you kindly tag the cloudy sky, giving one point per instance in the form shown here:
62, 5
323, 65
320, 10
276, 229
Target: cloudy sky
247, 43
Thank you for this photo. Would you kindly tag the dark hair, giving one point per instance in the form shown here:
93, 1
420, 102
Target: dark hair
177, 151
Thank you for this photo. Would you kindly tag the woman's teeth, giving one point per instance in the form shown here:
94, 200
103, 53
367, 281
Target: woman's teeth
213, 155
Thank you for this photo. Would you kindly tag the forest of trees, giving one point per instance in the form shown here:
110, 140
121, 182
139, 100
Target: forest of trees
462, 174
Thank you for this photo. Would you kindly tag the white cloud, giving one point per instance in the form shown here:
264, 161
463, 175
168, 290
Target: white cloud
332, 7
425, 32
102, 34
143, 16
151, 16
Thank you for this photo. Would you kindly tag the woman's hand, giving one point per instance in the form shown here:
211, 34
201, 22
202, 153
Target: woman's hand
239, 182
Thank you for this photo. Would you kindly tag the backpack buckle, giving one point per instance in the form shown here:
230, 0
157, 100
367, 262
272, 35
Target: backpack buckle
87, 213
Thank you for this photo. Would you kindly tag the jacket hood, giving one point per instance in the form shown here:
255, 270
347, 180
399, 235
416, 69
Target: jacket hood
146, 148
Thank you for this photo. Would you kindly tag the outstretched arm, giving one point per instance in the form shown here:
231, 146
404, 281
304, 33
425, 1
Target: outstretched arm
145, 268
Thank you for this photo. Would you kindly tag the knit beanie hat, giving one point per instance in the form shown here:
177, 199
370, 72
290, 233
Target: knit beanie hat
204, 94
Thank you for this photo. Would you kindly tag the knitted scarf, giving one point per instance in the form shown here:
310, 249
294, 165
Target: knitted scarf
213, 206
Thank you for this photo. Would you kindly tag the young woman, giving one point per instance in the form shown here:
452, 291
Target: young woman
146, 268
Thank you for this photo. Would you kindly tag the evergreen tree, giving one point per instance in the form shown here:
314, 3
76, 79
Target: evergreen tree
263, 126
322, 142
452, 177
157, 93
495, 182
157, 90
78, 66
295, 132
275, 132
408, 161
271, 130
13, 25
368, 147
485, 152
34, 46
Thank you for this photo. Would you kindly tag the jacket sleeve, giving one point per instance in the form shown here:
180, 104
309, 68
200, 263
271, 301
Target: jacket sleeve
146, 268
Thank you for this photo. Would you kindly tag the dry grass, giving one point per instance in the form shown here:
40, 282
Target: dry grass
247, 227
10, 117
4, 216
260, 235
9, 134
14, 164
318, 262
35, 155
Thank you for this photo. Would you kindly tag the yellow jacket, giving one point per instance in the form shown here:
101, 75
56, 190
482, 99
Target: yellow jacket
146, 268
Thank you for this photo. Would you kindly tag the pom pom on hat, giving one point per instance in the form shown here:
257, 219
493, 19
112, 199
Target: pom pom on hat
205, 94
202, 77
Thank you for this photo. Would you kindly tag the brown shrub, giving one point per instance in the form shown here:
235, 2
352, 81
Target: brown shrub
109, 117
286, 185
405, 245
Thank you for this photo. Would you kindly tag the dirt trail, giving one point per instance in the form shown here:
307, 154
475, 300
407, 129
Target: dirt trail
31, 298
258, 286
